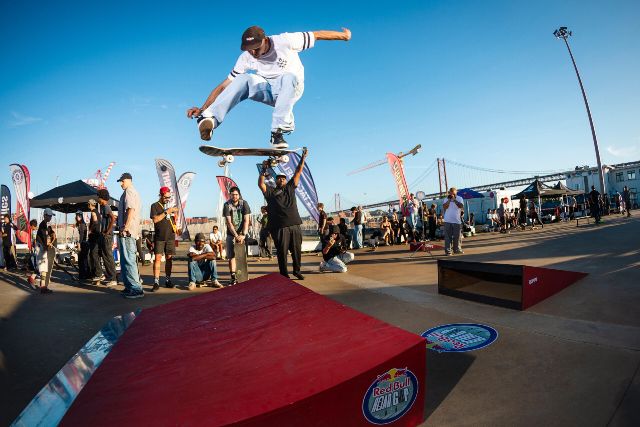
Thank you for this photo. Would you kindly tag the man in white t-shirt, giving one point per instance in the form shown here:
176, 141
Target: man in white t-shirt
268, 71
452, 208
202, 264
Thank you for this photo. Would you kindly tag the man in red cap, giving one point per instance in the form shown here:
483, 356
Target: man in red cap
164, 236
278, 80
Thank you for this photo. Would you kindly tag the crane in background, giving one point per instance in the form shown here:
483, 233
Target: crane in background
100, 178
412, 152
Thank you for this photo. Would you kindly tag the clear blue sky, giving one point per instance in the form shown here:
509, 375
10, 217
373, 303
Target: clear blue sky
480, 82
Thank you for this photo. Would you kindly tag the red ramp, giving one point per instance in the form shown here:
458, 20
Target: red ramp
267, 352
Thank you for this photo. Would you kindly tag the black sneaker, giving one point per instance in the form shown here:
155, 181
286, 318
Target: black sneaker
277, 140
133, 294
156, 286
205, 126
298, 275
168, 284
233, 281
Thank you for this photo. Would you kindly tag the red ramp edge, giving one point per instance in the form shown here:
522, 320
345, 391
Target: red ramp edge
540, 283
267, 352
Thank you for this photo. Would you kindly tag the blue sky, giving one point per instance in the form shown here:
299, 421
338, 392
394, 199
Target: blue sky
481, 83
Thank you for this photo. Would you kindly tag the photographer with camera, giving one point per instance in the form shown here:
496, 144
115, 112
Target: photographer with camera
334, 252
452, 224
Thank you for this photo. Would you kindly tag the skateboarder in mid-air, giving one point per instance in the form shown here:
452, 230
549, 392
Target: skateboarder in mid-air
278, 80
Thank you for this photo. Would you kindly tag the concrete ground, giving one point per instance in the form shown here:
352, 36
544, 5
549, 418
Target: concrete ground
572, 359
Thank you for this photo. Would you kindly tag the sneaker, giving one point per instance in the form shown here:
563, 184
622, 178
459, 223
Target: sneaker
192, 286
205, 125
133, 294
168, 284
323, 267
98, 279
298, 275
447, 253
111, 284
199, 284
44, 290
233, 281
216, 284
458, 252
277, 140
156, 286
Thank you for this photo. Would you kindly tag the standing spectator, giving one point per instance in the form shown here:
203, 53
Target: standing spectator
322, 220
356, 240
83, 247
45, 251
452, 208
265, 237
129, 227
93, 239
33, 265
432, 218
572, 206
7, 243
334, 253
522, 218
236, 212
202, 264
284, 217
594, 203
164, 237
215, 240
502, 215
105, 238
533, 214
626, 196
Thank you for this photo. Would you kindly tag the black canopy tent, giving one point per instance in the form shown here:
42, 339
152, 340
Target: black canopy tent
538, 189
69, 198
567, 190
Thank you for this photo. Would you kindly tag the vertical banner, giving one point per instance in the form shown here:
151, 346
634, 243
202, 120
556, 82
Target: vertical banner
21, 186
306, 190
5, 201
225, 185
397, 171
184, 186
167, 177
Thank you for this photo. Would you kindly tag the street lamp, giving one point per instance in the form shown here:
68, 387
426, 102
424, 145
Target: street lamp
563, 34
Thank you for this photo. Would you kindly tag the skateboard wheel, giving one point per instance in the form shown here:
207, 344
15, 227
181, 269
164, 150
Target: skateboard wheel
284, 158
228, 158
221, 163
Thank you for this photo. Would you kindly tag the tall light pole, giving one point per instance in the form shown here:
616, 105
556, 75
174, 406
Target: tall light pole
563, 34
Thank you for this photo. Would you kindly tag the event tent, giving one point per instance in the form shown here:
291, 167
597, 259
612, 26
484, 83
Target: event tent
538, 189
567, 190
69, 198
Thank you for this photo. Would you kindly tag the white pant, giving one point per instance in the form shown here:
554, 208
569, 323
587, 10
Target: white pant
337, 264
281, 93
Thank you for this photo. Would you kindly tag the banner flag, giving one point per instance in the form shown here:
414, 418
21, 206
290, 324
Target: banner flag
225, 185
5, 201
397, 170
167, 177
271, 179
306, 190
21, 185
184, 186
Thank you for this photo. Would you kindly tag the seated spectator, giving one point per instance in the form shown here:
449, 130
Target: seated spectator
334, 253
215, 239
202, 264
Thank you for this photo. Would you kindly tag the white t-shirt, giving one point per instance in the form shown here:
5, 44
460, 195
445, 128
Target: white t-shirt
281, 58
215, 237
205, 250
452, 214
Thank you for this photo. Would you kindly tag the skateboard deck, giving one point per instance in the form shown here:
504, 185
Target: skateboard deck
227, 154
242, 269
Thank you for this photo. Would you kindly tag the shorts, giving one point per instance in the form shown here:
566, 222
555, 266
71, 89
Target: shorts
230, 242
164, 247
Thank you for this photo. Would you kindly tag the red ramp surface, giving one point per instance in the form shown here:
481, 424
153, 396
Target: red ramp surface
267, 352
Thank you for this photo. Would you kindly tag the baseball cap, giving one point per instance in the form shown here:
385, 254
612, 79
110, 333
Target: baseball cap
92, 202
48, 211
252, 38
164, 190
281, 175
124, 176
200, 237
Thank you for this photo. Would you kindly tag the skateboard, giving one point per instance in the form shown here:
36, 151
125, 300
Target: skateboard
242, 269
227, 155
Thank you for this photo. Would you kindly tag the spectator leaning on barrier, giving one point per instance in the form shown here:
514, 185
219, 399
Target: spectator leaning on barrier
202, 264
452, 208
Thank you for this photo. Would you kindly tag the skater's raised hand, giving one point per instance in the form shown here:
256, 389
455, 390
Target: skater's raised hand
193, 112
347, 34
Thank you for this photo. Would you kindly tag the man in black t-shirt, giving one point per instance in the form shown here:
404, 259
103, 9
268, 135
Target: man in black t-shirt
284, 220
594, 203
7, 243
322, 220
105, 239
164, 237
334, 252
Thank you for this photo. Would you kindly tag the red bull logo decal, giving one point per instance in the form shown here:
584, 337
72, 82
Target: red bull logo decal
390, 396
459, 337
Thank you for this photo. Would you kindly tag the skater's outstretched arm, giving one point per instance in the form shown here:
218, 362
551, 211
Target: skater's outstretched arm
195, 111
298, 172
345, 35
